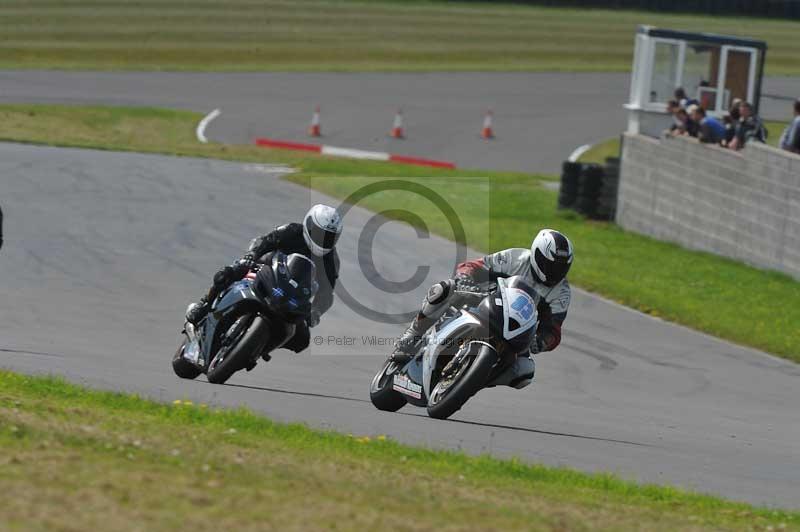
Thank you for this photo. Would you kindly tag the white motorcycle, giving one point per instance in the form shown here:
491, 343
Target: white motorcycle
469, 348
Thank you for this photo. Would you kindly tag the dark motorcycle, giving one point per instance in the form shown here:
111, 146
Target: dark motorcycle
250, 319
467, 350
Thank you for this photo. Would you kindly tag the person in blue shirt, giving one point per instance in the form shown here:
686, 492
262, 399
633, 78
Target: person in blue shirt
790, 140
710, 130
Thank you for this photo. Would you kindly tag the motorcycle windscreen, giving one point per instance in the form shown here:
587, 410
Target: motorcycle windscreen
295, 284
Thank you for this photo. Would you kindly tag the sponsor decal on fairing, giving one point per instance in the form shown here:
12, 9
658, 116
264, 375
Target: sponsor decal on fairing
403, 384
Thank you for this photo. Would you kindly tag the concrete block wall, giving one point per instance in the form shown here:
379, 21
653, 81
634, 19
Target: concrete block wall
743, 205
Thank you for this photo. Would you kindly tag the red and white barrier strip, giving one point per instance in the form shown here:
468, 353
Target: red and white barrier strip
352, 153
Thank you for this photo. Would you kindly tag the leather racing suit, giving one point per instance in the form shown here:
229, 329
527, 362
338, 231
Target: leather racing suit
552, 303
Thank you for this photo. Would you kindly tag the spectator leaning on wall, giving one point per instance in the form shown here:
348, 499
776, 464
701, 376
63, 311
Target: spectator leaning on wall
749, 128
672, 108
790, 140
683, 100
731, 121
683, 124
709, 129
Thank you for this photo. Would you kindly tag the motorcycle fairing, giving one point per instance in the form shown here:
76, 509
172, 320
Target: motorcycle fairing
519, 310
413, 373
239, 294
439, 340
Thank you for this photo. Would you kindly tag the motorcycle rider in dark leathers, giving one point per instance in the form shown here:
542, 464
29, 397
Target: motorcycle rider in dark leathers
544, 267
315, 238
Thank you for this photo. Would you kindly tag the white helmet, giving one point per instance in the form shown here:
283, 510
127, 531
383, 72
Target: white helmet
321, 229
551, 256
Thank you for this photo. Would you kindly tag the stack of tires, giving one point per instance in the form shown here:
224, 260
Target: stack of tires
607, 200
590, 189
568, 192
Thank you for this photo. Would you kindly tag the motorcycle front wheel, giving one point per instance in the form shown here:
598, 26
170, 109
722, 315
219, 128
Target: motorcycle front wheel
381, 392
182, 367
452, 392
238, 346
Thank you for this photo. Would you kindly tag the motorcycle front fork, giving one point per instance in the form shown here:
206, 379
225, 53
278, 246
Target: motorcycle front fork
192, 350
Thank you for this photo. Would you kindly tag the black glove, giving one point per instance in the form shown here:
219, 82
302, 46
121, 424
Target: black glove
223, 277
248, 260
229, 274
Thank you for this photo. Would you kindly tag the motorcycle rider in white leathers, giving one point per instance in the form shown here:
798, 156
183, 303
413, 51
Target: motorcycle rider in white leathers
544, 267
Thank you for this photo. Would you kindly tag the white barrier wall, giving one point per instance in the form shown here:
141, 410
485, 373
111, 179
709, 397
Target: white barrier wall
743, 205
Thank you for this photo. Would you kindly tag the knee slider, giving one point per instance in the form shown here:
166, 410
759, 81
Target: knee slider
437, 297
439, 292
222, 277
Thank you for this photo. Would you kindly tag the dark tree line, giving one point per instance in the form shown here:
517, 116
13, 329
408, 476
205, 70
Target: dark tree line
757, 8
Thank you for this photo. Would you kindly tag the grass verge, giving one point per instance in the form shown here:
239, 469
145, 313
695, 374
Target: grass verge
325, 35
171, 132
709, 293
77, 459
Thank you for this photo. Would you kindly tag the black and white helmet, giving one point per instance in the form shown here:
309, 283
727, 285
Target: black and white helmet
321, 229
551, 256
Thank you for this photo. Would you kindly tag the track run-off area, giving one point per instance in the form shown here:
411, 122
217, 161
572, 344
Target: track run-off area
103, 251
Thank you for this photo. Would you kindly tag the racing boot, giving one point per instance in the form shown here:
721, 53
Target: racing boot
197, 311
408, 344
518, 375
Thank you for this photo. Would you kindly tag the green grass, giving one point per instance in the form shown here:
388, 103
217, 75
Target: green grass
712, 294
610, 147
248, 35
77, 459
600, 151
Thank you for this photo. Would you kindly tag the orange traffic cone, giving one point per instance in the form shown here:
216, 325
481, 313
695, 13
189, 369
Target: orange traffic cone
487, 132
314, 129
397, 127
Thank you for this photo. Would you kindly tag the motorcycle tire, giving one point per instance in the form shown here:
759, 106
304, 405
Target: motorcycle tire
182, 367
468, 384
381, 393
240, 354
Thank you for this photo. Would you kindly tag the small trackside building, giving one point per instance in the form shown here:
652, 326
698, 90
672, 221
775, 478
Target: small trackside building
712, 69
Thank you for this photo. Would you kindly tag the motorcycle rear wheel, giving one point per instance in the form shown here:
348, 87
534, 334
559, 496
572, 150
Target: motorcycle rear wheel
182, 367
468, 381
381, 393
241, 349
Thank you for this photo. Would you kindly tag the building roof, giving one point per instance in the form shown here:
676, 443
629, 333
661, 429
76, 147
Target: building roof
711, 38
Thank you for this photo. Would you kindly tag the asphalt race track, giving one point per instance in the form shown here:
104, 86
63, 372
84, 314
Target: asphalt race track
103, 251
539, 117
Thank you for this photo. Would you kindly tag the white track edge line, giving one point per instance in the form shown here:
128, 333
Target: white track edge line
201, 126
577, 152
